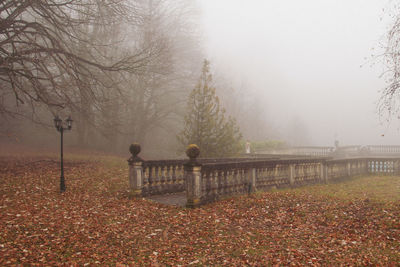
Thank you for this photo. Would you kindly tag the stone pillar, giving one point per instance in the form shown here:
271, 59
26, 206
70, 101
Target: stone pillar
366, 166
292, 174
135, 171
136, 177
193, 177
193, 185
396, 167
322, 174
348, 169
325, 170
251, 180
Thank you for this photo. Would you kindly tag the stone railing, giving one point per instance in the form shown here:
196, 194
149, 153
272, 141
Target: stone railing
162, 177
337, 152
218, 179
167, 176
383, 166
313, 151
207, 180
383, 150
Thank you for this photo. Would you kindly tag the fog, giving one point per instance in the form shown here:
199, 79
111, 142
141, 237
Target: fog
288, 72
310, 61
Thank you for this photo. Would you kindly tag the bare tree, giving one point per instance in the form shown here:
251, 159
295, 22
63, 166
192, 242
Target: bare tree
389, 101
122, 67
157, 95
47, 56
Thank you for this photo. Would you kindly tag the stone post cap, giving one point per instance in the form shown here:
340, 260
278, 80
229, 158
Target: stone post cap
135, 149
192, 151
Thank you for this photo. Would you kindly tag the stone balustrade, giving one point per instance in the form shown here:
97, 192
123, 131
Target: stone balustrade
315, 151
384, 149
162, 177
207, 180
220, 179
383, 166
338, 152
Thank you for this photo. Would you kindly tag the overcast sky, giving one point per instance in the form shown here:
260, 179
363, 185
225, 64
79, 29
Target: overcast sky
303, 58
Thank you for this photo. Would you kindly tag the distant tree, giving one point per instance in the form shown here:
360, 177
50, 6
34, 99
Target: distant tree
157, 93
205, 123
267, 145
390, 95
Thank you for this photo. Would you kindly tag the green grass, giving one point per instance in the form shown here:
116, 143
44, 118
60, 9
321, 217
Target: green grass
375, 188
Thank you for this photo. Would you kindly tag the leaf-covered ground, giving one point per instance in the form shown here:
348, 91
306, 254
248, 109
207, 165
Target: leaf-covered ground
95, 222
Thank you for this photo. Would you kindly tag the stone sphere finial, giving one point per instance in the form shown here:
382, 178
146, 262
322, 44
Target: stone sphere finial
134, 149
192, 151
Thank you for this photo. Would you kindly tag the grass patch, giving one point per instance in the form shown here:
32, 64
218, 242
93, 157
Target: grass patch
375, 188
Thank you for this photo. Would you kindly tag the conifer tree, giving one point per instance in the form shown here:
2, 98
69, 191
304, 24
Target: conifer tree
205, 123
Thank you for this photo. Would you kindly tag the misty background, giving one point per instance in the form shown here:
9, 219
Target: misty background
302, 72
301, 60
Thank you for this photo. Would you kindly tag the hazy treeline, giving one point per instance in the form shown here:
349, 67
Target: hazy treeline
123, 70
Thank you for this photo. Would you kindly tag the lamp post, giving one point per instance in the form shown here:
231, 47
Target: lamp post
60, 126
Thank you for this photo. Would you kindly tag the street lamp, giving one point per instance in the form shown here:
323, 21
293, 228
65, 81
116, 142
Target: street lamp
60, 126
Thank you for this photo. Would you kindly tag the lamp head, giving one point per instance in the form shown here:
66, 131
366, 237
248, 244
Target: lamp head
69, 122
57, 122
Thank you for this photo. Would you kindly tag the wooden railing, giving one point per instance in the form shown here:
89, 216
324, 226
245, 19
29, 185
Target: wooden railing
208, 180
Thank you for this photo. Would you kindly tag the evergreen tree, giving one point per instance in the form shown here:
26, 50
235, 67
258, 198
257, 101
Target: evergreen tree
205, 123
